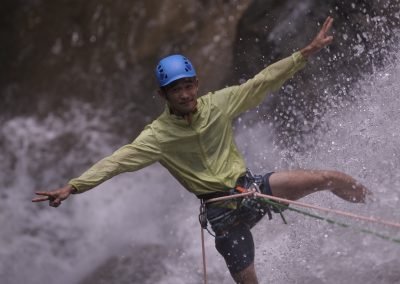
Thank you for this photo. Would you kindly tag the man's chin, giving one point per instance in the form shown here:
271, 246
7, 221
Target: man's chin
188, 109
185, 110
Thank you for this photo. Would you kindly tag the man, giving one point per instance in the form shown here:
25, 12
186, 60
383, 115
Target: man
193, 139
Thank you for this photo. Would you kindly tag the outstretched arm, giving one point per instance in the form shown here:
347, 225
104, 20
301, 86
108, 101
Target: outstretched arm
140, 153
237, 99
320, 41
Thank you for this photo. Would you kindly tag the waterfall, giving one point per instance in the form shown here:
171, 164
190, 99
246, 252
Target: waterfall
142, 227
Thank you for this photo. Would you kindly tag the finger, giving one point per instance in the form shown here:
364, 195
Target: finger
49, 195
326, 41
45, 193
40, 199
327, 20
327, 25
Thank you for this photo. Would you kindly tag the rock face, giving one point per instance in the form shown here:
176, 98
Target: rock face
103, 53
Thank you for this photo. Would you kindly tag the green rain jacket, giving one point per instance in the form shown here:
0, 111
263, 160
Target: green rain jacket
202, 156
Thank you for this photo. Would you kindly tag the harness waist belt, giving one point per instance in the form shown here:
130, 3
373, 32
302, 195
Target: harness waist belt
241, 181
212, 195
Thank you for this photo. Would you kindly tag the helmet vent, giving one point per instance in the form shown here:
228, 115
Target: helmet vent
188, 68
161, 73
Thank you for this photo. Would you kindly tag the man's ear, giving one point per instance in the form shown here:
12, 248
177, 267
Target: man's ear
162, 94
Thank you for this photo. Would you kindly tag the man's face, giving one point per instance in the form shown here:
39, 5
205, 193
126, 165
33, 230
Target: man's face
182, 95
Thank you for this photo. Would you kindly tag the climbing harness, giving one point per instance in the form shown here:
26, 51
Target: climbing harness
203, 217
244, 194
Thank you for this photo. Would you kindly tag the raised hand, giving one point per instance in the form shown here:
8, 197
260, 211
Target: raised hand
321, 40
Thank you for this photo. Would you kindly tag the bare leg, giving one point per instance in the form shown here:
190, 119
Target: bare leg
297, 184
246, 276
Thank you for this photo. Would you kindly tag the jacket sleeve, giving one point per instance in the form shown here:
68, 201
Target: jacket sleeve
237, 99
140, 153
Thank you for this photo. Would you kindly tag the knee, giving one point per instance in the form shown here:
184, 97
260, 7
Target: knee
331, 177
246, 276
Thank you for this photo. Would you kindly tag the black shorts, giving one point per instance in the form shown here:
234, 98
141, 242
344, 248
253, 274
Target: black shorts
232, 226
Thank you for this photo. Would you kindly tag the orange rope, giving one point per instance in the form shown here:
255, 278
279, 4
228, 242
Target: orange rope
203, 250
339, 212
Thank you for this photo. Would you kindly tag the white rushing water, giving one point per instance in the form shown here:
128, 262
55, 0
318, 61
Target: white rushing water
361, 138
138, 210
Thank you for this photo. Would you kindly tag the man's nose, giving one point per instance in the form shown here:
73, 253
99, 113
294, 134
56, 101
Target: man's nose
184, 94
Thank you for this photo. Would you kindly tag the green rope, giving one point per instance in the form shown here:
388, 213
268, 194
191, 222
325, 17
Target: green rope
282, 207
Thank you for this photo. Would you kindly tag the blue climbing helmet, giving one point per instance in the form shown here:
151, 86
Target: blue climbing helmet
172, 68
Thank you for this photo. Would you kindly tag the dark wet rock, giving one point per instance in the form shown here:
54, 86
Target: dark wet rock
103, 53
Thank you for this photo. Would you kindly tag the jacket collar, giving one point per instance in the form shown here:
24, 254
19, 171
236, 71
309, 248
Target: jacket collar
186, 120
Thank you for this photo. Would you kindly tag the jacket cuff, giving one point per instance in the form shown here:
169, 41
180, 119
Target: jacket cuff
75, 187
298, 58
